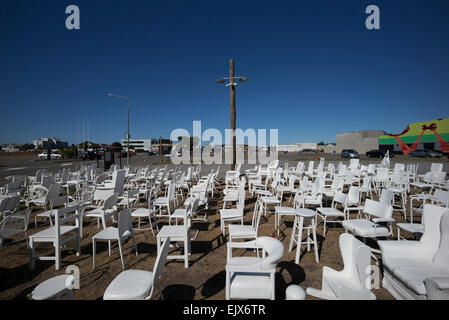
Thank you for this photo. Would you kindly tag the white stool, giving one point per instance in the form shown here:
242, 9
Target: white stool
295, 292
54, 288
304, 219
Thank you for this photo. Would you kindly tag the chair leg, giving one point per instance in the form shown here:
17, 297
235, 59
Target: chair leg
315, 242
121, 253
94, 250
298, 246
135, 245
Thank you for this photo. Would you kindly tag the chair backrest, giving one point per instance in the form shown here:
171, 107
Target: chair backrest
356, 259
432, 224
377, 209
386, 196
399, 167
442, 196
366, 183
310, 167
441, 258
119, 181
47, 181
58, 201
342, 169
353, 195
110, 201
125, 225
258, 209
241, 202
439, 177
339, 197
10, 204
160, 261
53, 191
436, 167
371, 169
382, 173
429, 177
275, 250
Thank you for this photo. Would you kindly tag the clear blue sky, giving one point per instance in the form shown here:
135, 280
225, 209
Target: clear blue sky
313, 68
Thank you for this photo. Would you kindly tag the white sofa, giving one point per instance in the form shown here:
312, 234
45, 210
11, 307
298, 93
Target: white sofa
407, 264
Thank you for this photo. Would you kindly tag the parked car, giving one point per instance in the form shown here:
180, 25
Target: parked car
349, 153
425, 154
378, 153
53, 156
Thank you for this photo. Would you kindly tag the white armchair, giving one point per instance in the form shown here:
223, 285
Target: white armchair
253, 277
351, 282
407, 264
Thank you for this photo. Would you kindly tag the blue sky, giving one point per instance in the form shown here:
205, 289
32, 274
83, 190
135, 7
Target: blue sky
313, 68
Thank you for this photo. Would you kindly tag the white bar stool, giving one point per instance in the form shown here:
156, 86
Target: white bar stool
304, 219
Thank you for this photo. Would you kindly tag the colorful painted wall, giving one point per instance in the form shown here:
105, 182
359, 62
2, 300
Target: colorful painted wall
436, 131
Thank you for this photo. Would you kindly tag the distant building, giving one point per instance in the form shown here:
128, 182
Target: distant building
10, 148
361, 141
52, 143
329, 148
140, 144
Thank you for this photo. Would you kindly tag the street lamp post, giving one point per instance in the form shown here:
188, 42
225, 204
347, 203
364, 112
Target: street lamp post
232, 84
127, 136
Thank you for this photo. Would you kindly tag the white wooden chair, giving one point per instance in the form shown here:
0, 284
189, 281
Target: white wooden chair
58, 235
241, 231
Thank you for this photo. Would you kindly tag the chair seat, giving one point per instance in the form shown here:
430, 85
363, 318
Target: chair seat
110, 233
130, 285
413, 272
285, 210
254, 286
124, 202
231, 198
96, 213
179, 214
330, 212
6, 233
365, 228
271, 200
160, 201
50, 232
172, 232
412, 227
142, 212
237, 230
230, 213
52, 287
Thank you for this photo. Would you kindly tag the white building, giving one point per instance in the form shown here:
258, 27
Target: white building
52, 143
139, 144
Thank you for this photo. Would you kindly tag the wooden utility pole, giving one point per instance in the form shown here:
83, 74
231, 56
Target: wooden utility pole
160, 147
233, 113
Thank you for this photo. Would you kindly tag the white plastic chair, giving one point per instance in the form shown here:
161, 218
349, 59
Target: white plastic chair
13, 224
138, 284
120, 234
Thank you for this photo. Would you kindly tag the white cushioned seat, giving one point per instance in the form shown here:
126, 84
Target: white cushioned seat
330, 212
254, 286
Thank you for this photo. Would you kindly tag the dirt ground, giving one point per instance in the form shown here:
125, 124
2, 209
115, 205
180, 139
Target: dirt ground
205, 277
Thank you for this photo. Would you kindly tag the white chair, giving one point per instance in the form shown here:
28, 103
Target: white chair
247, 231
106, 208
13, 224
122, 233
229, 215
167, 202
253, 277
178, 233
58, 235
407, 264
147, 212
138, 284
352, 282
54, 288
372, 227
9, 204
333, 212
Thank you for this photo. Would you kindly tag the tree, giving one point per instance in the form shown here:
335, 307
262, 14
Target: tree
321, 143
117, 144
